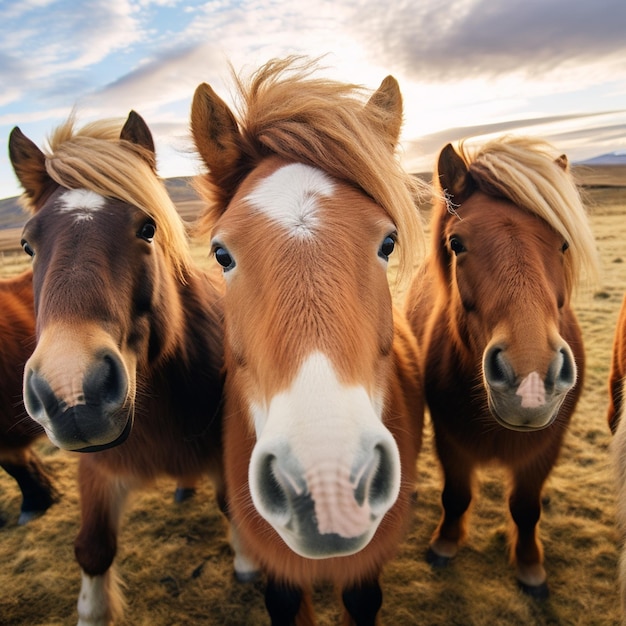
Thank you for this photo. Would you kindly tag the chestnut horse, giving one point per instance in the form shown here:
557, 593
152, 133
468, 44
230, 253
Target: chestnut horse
17, 430
502, 349
323, 415
127, 366
617, 424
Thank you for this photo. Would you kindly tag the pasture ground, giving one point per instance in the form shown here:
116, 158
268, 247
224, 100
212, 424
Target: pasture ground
177, 567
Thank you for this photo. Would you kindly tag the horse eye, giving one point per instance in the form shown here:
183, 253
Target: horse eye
26, 247
222, 256
147, 231
565, 246
456, 245
387, 247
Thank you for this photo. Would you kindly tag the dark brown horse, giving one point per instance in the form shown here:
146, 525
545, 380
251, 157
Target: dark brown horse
17, 430
502, 350
323, 414
127, 366
617, 423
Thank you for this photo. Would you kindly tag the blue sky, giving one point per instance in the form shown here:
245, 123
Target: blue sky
467, 68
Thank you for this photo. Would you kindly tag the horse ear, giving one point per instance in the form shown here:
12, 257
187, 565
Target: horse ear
388, 98
562, 162
136, 131
453, 175
215, 133
29, 165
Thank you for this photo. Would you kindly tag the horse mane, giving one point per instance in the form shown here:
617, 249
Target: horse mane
525, 171
94, 158
282, 110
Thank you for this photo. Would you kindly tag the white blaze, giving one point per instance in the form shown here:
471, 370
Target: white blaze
81, 202
288, 197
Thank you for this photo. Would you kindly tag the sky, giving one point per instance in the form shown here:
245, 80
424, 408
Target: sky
466, 68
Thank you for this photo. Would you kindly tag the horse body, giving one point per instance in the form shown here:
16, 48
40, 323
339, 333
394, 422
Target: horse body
127, 366
617, 424
502, 350
18, 431
323, 399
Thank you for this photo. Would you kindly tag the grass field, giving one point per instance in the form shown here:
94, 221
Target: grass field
177, 566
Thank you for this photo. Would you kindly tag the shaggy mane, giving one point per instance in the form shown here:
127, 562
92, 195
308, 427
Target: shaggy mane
524, 170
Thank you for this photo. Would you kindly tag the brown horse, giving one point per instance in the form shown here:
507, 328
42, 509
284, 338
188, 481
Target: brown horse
502, 350
323, 414
617, 424
128, 360
17, 430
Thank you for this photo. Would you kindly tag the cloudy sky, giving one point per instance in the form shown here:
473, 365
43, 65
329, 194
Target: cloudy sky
467, 68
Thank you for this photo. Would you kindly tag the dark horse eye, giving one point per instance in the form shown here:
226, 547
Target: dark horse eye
222, 256
147, 231
456, 245
386, 247
26, 247
565, 246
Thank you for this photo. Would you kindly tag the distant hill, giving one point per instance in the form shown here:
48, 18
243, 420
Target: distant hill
605, 170
612, 158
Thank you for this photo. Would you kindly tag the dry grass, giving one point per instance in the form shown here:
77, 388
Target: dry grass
176, 562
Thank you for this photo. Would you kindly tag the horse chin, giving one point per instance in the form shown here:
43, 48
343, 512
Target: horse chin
525, 420
112, 444
301, 534
74, 436
316, 546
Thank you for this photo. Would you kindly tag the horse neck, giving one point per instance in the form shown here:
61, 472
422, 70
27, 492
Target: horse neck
191, 325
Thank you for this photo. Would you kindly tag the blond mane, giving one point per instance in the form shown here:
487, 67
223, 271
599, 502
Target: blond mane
282, 109
529, 173
95, 158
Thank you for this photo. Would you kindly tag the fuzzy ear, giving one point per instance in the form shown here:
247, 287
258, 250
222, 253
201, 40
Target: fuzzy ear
388, 98
136, 131
562, 162
453, 175
216, 134
29, 164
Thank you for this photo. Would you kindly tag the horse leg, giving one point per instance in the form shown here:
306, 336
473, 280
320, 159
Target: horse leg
525, 507
288, 605
102, 497
362, 603
185, 488
246, 569
38, 494
455, 499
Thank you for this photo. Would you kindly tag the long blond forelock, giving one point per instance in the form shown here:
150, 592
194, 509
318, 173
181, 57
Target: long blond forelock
285, 111
94, 158
523, 169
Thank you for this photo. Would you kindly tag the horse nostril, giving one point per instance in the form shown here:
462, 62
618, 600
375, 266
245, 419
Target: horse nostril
269, 487
38, 396
377, 483
566, 374
496, 367
106, 383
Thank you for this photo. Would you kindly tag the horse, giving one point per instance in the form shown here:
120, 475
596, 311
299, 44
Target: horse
502, 350
305, 203
127, 367
17, 431
617, 424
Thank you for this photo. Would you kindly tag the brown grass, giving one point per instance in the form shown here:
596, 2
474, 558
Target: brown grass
176, 562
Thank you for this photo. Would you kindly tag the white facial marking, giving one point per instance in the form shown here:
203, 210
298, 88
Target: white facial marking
314, 400
288, 197
82, 202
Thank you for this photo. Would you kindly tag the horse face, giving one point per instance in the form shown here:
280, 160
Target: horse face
309, 333
507, 268
93, 278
